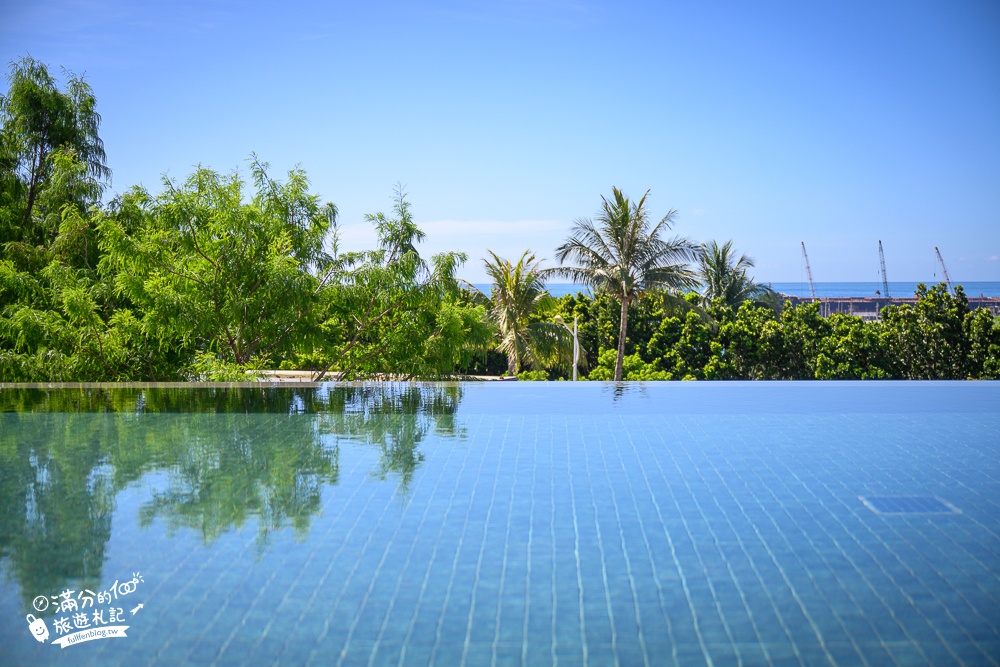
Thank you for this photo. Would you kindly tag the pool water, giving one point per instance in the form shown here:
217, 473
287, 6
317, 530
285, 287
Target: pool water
504, 524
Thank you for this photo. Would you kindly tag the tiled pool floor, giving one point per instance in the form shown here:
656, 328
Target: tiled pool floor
536, 531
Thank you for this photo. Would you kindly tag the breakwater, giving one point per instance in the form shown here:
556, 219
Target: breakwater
868, 308
875, 289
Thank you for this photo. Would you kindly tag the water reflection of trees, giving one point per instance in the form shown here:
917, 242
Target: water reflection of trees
394, 418
223, 470
56, 500
620, 390
266, 458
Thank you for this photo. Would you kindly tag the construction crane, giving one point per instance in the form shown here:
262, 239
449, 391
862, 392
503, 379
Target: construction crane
881, 260
809, 273
944, 269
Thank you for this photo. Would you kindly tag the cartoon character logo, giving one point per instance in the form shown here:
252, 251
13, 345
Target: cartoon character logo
39, 630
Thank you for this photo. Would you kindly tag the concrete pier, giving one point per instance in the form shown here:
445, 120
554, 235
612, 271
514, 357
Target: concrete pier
868, 308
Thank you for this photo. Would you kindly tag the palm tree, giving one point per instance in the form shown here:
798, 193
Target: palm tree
725, 277
622, 254
518, 291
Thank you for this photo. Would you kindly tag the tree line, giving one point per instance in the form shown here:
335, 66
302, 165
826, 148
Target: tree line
218, 276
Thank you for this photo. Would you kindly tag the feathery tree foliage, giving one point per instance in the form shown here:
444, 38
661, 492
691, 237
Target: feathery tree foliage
54, 306
42, 125
232, 282
388, 312
624, 255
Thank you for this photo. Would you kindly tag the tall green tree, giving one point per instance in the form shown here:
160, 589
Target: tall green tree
982, 330
39, 122
388, 312
724, 276
232, 282
57, 312
928, 339
518, 292
622, 253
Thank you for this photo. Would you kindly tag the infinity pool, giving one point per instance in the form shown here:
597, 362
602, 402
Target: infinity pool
501, 524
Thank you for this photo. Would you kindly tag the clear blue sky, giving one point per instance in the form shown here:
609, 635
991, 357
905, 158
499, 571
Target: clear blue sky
836, 123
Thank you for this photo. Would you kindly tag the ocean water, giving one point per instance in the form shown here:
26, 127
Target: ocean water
555, 289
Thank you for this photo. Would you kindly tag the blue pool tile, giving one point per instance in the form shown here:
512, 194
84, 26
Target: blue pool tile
692, 655
538, 655
751, 654
843, 653
447, 653
724, 654
478, 653
572, 657
173, 653
416, 655
239, 651
740, 534
629, 653
742, 630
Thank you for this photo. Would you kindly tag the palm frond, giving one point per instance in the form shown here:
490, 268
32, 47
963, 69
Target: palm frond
724, 276
518, 290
